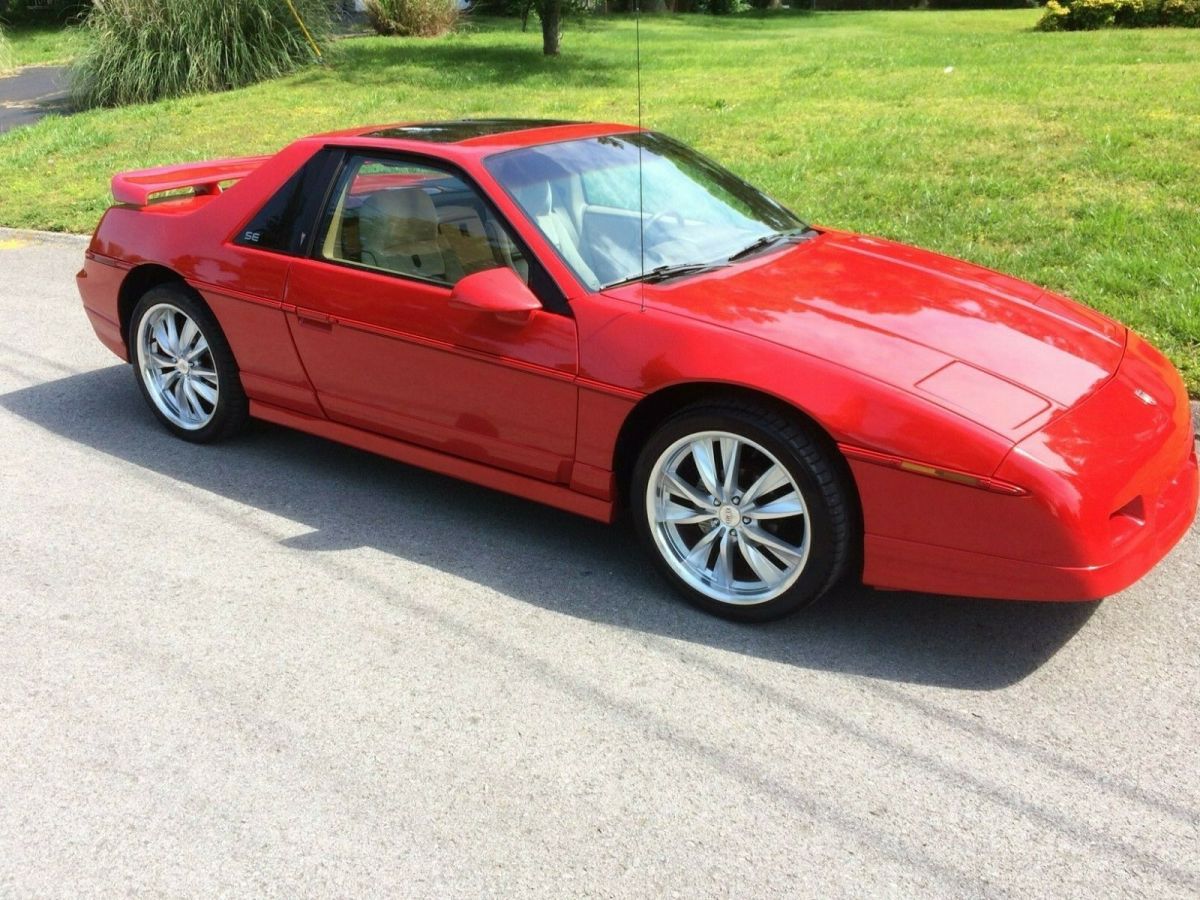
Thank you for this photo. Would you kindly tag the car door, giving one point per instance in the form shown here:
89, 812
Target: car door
370, 313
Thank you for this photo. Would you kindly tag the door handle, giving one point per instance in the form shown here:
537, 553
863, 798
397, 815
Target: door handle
314, 318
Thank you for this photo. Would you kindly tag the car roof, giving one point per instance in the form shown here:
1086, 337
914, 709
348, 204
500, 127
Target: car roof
488, 135
458, 130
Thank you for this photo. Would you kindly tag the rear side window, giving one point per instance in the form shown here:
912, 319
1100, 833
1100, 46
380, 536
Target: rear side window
282, 224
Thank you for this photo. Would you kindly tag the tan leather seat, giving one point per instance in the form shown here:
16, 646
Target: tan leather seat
462, 233
398, 230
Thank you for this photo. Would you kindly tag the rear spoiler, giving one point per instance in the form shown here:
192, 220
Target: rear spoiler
137, 187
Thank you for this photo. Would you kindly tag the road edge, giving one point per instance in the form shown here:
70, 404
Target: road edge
53, 237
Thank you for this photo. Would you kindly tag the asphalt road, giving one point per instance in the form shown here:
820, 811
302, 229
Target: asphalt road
32, 93
283, 667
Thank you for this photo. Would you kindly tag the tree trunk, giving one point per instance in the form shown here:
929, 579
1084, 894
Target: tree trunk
551, 15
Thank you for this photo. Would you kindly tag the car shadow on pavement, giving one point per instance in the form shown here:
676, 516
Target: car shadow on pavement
542, 556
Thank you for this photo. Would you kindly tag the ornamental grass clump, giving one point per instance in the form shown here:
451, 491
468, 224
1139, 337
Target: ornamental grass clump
144, 50
413, 18
6, 55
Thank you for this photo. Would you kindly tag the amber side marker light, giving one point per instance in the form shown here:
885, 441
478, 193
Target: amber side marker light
983, 482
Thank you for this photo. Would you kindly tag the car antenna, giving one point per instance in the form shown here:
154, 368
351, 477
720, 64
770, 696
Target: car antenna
637, 30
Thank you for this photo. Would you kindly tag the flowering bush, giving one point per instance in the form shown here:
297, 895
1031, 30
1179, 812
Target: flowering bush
1084, 15
1185, 13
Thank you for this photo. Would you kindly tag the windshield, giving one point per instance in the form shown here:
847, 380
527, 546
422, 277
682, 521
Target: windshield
584, 197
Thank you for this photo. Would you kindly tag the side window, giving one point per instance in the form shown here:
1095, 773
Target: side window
414, 220
279, 224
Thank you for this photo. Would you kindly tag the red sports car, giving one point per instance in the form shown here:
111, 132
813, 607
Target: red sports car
597, 317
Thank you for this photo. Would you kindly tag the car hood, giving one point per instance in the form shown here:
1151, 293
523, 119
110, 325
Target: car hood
1002, 351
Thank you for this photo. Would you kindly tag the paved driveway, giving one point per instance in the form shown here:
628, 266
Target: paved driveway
32, 93
284, 667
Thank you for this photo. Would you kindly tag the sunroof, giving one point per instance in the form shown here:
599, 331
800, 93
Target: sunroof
461, 130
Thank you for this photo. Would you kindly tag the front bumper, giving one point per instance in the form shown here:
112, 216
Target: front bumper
1112, 485
900, 564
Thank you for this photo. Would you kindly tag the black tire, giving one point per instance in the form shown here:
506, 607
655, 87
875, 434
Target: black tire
830, 506
231, 410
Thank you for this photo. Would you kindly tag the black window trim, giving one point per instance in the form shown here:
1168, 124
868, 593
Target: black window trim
326, 160
556, 303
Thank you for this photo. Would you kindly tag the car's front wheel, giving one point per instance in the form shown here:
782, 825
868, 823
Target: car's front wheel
743, 510
184, 366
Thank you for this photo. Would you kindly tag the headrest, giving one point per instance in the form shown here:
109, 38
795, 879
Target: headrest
536, 198
400, 215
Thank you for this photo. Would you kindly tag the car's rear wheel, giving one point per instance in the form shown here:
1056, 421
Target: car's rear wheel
743, 509
184, 366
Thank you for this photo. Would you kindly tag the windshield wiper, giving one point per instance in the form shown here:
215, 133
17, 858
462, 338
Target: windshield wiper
662, 273
769, 240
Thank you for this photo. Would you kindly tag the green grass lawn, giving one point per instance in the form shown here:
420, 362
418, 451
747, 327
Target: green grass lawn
1072, 160
37, 45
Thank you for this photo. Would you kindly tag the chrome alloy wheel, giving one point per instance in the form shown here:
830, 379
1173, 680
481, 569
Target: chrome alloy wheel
177, 367
728, 517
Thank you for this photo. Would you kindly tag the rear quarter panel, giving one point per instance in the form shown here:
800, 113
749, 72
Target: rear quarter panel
243, 286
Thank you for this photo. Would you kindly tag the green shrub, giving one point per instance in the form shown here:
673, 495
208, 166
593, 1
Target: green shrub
1054, 17
412, 18
1085, 15
143, 50
1183, 13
